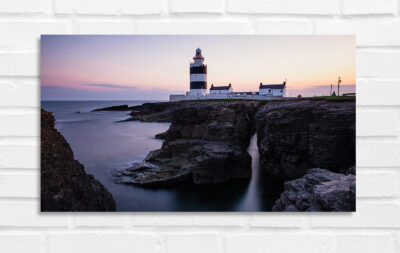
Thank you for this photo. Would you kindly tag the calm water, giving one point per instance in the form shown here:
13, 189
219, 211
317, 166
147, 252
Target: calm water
102, 144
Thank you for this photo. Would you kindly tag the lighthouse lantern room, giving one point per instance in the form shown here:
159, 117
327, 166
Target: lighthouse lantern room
198, 75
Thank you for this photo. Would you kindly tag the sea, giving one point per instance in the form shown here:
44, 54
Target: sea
103, 144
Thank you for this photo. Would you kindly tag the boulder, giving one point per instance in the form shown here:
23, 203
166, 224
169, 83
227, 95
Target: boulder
65, 186
318, 190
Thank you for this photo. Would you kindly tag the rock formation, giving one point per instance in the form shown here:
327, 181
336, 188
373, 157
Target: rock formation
318, 190
207, 141
65, 186
205, 144
297, 135
114, 108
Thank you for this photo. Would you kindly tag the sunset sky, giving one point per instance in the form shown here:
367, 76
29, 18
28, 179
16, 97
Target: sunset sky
142, 67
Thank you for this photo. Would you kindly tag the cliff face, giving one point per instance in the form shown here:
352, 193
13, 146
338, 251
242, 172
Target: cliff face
294, 136
65, 186
205, 144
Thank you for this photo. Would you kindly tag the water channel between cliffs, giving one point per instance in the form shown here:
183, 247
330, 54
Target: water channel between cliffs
100, 143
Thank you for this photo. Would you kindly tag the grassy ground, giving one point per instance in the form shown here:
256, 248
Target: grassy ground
337, 98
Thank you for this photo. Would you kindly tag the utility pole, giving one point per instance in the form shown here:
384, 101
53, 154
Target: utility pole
330, 93
338, 85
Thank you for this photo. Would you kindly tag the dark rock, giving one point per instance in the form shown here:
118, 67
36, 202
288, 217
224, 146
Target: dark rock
162, 135
205, 144
155, 112
65, 186
318, 190
351, 170
294, 136
113, 108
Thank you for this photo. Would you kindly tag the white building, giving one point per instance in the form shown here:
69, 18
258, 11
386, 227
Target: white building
273, 90
198, 76
221, 89
198, 86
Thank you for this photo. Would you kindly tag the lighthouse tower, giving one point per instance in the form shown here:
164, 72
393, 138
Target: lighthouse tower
198, 75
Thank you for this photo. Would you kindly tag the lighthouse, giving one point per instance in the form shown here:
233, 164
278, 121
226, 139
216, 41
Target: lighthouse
198, 75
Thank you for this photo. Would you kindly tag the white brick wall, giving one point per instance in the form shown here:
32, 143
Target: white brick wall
374, 228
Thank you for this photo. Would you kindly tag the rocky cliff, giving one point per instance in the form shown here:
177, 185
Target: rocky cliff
205, 144
207, 141
65, 186
294, 136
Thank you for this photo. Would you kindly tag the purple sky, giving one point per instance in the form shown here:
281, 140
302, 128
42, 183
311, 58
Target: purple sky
142, 67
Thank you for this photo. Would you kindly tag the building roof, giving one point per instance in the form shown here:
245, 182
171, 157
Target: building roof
220, 87
272, 86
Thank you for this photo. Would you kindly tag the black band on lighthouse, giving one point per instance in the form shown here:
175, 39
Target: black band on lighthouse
198, 70
198, 85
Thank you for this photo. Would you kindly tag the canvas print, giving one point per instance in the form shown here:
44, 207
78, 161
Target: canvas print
233, 123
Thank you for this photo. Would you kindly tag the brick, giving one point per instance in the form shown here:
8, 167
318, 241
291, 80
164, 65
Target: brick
365, 243
102, 243
19, 64
101, 220
19, 93
162, 219
355, 7
191, 27
22, 6
315, 7
19, 156
15, 125
377, 123
27, 214
110, 7
378, 63
378, 92
368, 215
19, 185
142, 7
377, 154
105, 27
226, 219
283, 27
202, 219
279, 242
199, 6
369, 32
377, 184
22, 243
276, 220
182, 243
26, 34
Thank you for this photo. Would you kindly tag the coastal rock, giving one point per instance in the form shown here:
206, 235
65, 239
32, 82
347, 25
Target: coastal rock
205, 144
113, 108
155, 112
65, 186
318, 190
297, 135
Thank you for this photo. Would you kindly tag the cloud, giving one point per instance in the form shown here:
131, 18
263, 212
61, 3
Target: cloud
108, 85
